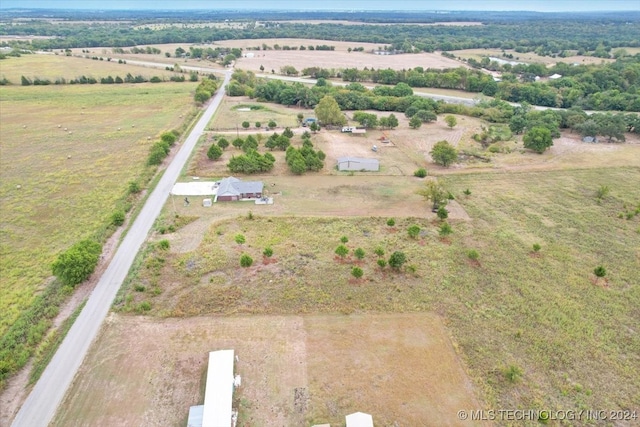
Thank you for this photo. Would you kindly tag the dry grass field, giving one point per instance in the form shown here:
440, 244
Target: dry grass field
68, 153
296, 370
53, 67
529, 57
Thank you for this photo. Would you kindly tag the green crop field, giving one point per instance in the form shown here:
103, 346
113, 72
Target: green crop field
68, 153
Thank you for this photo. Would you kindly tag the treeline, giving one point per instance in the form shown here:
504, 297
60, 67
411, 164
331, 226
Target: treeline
553, 36
612, 86
89, 80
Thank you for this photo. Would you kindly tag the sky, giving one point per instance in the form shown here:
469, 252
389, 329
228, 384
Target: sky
529, 5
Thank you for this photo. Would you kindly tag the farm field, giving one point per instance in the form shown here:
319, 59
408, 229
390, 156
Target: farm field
572, 338
529, 57
68, 153
287, 378
53, 67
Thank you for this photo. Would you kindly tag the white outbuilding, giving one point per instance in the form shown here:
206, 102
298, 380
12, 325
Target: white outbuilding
359, 419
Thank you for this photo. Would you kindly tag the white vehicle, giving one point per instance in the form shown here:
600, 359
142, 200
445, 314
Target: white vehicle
348, 129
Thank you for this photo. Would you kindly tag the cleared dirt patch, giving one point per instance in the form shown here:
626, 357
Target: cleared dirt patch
148, 372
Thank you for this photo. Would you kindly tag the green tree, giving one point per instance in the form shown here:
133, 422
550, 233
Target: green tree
268, 252
246, 124
258, 124
272, 124
118, 217
442, 213
344, 239
600, 272
518, 123
357, 272
379, 251
397, 260
223, 143
513, 373
329, 113
392, 121
536, 247
287, 132
445, 229
443, 153
538, 139
246, 261
415, 122
391, 222
315, 127
214, 152
420, 173
473, 255
239, 239
359, 253
382, 263
435, 193
77, 263
451, 121
342, 251
413, 231
169, 138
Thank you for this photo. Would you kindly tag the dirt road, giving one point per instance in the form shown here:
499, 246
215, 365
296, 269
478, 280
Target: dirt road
42, 403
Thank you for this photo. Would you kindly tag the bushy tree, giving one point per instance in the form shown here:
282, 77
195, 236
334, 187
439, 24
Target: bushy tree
239, 239
223, 143
435, 193
538, 139
272, 124
397, 260
443, 153
445, 229
415, 122
329, 113
246, 124
214, 152
76, 264
359, 253
268, 252
288, 132
442, 213
451, 121
413, 231
357, 272
420, 173
391, 222
246, 261
168, 137
342, 251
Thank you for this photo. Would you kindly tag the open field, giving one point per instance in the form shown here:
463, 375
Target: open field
53, 67
529, 57
231, 115
68, 153
400, 368
574, 339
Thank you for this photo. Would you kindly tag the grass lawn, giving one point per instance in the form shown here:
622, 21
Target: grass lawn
575, 340
230, 115
59, 186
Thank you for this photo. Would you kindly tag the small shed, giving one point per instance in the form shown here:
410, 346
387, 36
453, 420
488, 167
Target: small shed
359, 419
555, 76
358, 164
590, 139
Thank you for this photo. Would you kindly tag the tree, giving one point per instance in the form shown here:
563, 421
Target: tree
420, 173
214, 152
359, 253
445, 229
379, 251
426, 116
413, 231
382, 263
442, 213
467, 192
246, 261
392, 121
246, 124
315, 127
268, 252
443, 153
76, 264
223, 143
357, 272
397, 259
415, 122
391, 222
118, 217
433, 192
538, 139
536, 247
344, 239
599, 271
168, 137
588, 128
272, 124
258, 124
517, 124
451, 121
329, 113
239, 239
342, 251
237, 143
288, 132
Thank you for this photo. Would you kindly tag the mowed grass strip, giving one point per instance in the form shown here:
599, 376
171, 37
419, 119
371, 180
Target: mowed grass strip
575, 340
59, 186
53, 67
